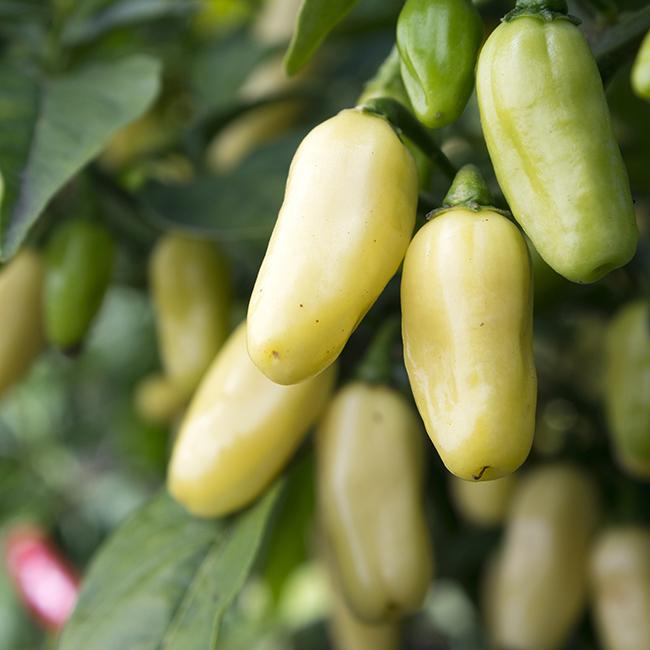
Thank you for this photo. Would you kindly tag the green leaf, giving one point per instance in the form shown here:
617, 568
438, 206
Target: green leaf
239, 206
165, 579
50, 128
85, 26
316, 20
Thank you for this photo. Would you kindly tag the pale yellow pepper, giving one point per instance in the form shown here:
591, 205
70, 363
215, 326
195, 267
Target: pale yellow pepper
537, 589
485, 503
467, 330
620, 578
158, 400
347, 218
239, 431
21, 318
190, 287
369, 460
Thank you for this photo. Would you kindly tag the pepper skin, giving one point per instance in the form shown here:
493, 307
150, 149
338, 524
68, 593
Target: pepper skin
79, 267
239, 431
467, 331
157, 400
641, 70
438, 43
369, 460
21, 324
538, 587
620, 578
627, 387
46, 582
483, 504
550, 138
347, 218
191, 292
349, 633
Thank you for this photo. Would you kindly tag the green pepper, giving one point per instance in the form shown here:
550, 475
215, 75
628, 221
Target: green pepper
641, 70
549, 134
627, 387
21, 327
79, 267
438, 43
369, 460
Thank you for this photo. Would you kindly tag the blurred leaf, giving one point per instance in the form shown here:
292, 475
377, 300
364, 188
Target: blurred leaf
219, 70
87, 25
241, 205
52, 127
315, 21
165, 579
289, 543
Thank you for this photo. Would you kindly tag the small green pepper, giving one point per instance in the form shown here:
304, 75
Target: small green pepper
79, 267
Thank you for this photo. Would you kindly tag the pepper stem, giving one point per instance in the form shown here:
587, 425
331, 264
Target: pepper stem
468, 188
376, 365
387, 82
537, 6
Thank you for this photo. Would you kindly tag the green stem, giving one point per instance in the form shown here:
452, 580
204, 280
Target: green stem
376, 365
387, 82
468, 188
404, 123
619, 43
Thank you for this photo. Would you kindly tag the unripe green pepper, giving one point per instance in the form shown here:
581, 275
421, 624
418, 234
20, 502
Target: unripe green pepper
239, 431
538, 587
346, 220
627, 386
369, 460
549, 134
641, 70
190, 286
21, 322
79, 267
485, 503
620, 579
438, 42
467, 330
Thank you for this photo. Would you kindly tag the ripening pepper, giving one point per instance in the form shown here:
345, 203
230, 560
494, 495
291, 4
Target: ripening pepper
79, 265
549, 134
438, 42
641, 70
620, 580
369, 467
485, 503
346, 220
191, 292
239, 431
158, 400
47, 583
538, 586
467, 331
627, 386
21, 320
348, 632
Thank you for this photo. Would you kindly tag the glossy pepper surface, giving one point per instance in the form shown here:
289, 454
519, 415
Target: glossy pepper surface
191, 292
21, 321
438, 43
538, 588
79, 267
620, 581
467, 331
47, 583
541, 101
627, 386
369, 460
346, 220
239, 431
641, 70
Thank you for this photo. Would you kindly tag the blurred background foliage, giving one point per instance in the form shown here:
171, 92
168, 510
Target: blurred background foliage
75, 455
